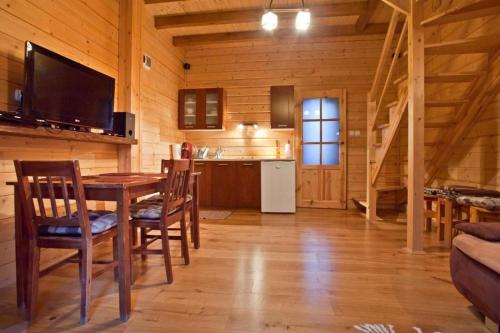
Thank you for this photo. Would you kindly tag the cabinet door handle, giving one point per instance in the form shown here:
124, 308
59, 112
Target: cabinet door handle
222, 164
248, 164
199, 163
282, 125
211, 126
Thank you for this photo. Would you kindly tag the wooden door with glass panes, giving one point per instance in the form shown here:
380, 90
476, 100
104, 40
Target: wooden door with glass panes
321, 152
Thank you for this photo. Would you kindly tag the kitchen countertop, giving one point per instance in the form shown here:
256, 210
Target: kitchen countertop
242, 159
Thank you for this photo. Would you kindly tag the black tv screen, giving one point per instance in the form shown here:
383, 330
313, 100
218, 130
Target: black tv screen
60, 90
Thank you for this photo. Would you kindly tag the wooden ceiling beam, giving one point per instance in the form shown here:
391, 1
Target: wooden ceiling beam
252, 15
365, 18
400, 5
477, 8
324, 31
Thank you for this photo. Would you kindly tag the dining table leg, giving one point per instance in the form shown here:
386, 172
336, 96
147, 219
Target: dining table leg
123, 240
21, 253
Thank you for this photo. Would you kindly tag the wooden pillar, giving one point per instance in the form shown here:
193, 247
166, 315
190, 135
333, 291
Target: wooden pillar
129, 76
416, 112
371, 193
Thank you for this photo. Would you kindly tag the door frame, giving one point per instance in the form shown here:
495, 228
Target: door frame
304, 93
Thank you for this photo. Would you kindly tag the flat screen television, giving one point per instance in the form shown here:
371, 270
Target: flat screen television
61, 91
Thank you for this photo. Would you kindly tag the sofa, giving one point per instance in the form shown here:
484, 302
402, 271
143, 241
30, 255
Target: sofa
475, 266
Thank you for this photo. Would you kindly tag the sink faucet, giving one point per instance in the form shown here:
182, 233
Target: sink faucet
218, 152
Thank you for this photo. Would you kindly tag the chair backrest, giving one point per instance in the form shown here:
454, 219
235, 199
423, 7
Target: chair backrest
177, 186
42, 181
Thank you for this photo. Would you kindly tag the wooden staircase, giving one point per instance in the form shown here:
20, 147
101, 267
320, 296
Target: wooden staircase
384, 119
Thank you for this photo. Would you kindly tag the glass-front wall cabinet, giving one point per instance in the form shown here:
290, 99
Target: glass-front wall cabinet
201, 108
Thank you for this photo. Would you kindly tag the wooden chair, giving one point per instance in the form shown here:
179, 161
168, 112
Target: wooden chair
149, 215
48, 229
193, 224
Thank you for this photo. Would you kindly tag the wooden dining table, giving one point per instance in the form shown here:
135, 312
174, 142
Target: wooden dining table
121, 188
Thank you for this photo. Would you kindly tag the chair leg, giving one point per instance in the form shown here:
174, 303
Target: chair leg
191, 224
166, 254
132, 239
85, 281
143, 242
115, 257
184, 240
32, 276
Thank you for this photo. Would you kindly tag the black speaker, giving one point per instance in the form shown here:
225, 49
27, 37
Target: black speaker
124, 124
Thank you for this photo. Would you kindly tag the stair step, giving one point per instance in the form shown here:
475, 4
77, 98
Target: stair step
451, 77
437, 124
377, 145
382, 126
392, 104
469, 11
400, 79
482, 44
444, 103
390, 188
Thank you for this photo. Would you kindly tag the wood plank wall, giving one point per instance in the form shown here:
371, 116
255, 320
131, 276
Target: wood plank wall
85, 31
476, 161
247, 70
159, 87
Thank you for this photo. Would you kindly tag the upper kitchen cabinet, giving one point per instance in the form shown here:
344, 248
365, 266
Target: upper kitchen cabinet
201, 109
282, 107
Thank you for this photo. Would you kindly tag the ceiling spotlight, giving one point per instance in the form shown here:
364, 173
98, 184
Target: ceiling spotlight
269, 21
303, 20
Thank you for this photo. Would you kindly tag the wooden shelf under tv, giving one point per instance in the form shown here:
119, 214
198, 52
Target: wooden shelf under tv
58, 134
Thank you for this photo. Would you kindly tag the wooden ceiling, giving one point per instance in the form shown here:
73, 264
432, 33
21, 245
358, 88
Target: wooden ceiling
195, 22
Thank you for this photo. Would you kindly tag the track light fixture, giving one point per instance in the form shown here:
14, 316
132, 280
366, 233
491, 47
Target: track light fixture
269, 19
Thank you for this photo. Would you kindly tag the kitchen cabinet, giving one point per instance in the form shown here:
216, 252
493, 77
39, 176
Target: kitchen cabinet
224, 191
282, 107
229, 184
248, 184
201, 108
205, 182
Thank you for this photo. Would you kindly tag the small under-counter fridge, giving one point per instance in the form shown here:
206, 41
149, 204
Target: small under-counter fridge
277, 186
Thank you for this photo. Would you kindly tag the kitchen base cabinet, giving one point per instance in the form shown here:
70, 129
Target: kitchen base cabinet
223, 184
229, 184
205, 181
248, 184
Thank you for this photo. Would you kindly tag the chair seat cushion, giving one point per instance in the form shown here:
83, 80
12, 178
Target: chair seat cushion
100, 221
148, 210
484, 252
489, 231
159, 199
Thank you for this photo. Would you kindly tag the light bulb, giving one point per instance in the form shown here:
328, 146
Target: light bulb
303, 20
255, 126
241, 126
269, 21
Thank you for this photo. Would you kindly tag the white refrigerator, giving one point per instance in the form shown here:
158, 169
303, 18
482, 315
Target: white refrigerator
278, 186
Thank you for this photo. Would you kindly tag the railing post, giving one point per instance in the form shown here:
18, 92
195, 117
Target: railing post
371, 193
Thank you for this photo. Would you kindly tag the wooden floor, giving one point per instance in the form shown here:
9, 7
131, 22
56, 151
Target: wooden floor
316, 271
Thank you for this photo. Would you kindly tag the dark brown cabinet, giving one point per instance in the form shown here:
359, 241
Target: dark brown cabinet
201, 108
282, 107
224, 189
248, 184
229, 184
205, 182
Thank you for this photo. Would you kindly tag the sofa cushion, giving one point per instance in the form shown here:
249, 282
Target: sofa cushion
484, 252
489, 231
100, 221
